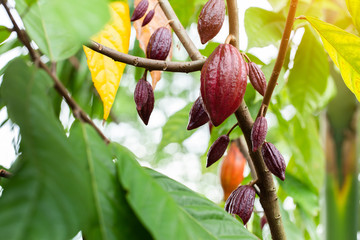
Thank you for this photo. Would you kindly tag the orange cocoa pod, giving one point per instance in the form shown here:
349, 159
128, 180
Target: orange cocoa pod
232, 170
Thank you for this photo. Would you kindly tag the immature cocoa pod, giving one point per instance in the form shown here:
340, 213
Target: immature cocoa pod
258, 133
217, 149
241, 202
149, 16
159, 44
223, 83
211, 19
263, 221
274, 160
257, 78
197, 115
144, 99
140, 10
232, 170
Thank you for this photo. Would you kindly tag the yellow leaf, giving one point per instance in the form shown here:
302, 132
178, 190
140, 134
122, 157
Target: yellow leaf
105, 72
343, 48
143, 34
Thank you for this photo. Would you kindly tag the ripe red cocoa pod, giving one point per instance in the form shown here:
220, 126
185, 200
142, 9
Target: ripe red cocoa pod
140, 10
258, 133
159, 44
263, 221
257, 78
211, 19
223, 83
149, 16
144, 99
197, 115
217, 149
274, 160
232, 170
241, 202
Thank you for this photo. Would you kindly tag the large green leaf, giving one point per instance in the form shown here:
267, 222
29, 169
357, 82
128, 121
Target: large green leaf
354, 9
263, 27
59, 27
111, 216
4, 33
184, 10
169, 210
343, 48
308, 80
174, 131
44, 198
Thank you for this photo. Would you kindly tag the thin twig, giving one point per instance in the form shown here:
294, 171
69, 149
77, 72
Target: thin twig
77, 110
5, 174
149, 64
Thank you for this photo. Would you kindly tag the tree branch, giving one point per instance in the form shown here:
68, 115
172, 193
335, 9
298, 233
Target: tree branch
180, 31
268, 197
149, 64
77, 110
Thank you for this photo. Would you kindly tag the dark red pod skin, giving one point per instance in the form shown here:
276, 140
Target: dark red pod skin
217, 149
159, 44
149, 16
140, 10
257, 78
144, 99
258, 133
241, 202
197, 115
274, 160
211, 19
223, 83
263, 221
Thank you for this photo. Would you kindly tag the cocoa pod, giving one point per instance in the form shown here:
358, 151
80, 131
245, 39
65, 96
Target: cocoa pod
211, 19
274, 160
197, 115
149, 16
232, 170
223, 83
144, 99
263, 221
258, 133
140, 10
217, 149
241, 202
257, 78
159, 44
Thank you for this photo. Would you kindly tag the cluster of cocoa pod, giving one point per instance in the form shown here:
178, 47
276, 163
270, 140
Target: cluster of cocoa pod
223, 84
158, 48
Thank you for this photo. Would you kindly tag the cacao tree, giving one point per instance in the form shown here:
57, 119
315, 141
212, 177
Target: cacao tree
125, 119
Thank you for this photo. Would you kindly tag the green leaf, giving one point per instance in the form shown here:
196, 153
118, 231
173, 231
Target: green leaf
184, 10
354, 9
109, 209
8, 45
60, 27
44, 197
308, 79
4, 33
210, 47
169, 210
343, 48
263, 27
174, 131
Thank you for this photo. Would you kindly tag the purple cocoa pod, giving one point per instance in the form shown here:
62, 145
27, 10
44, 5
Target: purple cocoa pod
274, 160
144, 99
257, 78
197, 115
258, 133
149, 16
140, 10
211, 19
263, 221
159, 44
217, 149
241, 202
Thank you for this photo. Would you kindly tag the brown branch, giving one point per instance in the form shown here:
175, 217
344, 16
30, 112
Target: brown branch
5, 174
77, 110
149, 64
180, 31
280, 58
